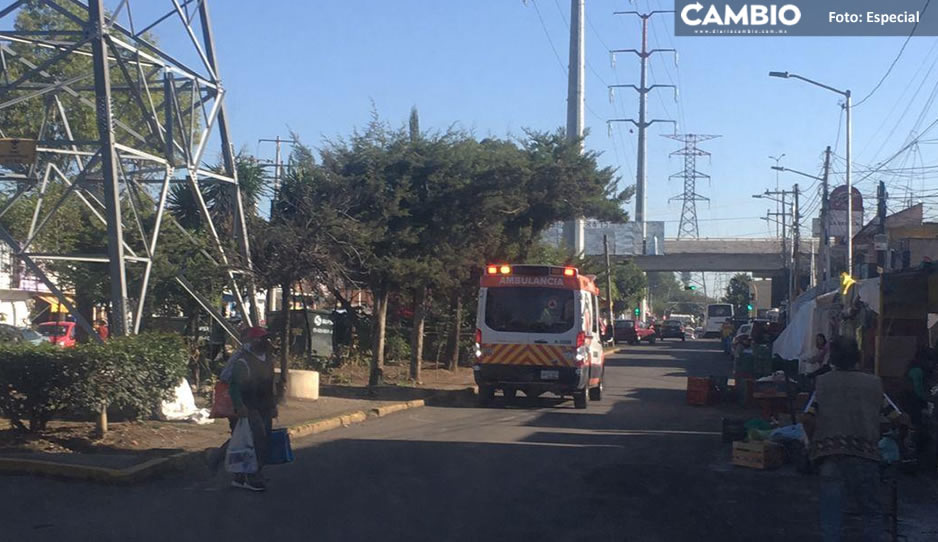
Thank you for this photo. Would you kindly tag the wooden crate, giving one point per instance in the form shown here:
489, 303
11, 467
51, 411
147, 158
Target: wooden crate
758, 455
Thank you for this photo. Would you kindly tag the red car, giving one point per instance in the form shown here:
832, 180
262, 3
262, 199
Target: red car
60, 333
630, 331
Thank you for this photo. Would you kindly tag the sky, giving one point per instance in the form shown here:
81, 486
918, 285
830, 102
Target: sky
499, 66
496, 67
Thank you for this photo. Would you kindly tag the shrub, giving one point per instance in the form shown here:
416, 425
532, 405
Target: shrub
36, 383
396, 347
132, 374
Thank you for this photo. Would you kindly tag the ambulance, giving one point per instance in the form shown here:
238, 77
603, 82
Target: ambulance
538, 331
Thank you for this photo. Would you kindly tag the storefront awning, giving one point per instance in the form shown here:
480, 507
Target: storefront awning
54, 305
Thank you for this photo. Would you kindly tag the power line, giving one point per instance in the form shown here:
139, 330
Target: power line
895, 60
563, 67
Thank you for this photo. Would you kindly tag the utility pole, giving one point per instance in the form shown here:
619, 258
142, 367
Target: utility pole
642, 123
778, 172
271, 298
880, 239
781, 197
825, 218
574, 231
612, 318
796, 245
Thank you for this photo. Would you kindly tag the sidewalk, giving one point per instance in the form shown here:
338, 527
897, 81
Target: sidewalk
132, 451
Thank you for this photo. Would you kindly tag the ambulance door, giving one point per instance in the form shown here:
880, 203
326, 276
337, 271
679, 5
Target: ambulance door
596, 345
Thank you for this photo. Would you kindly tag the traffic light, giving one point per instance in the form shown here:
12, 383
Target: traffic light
690, 287
749, 307
637, 311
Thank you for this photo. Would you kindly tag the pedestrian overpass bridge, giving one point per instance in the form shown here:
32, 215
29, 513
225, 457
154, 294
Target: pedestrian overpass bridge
760, 256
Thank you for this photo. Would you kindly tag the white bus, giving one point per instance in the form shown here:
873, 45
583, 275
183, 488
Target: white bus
717, 313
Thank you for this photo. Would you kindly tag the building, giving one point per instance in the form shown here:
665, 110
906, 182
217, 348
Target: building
906, 242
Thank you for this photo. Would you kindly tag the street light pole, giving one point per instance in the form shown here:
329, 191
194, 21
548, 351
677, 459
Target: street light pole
849, 187
847, 104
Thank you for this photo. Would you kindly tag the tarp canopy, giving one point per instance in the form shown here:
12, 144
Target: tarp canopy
795, 341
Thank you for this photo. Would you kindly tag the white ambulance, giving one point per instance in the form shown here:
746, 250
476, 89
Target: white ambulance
538, 331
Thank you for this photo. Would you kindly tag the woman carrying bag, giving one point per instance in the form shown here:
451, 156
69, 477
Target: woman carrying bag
250, 377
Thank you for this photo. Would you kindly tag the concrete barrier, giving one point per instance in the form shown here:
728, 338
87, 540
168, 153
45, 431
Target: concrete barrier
302, 384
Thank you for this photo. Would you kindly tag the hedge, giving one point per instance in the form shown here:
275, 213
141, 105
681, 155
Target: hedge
132, 374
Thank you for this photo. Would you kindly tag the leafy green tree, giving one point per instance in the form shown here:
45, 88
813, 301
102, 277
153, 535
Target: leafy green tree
738, 293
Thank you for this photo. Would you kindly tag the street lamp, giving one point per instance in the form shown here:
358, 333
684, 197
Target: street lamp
846, 95
796, 172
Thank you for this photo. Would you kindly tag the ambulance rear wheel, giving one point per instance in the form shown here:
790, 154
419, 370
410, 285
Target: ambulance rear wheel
510, 394
581, 399
486, 394
596, 394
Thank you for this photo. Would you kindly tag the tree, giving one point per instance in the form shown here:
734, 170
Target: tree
308, 234
738, 293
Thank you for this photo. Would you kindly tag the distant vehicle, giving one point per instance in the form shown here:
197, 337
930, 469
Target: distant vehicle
686, 319
59, 333
717, 313
672, 329
538, 331
13, 334
631, 332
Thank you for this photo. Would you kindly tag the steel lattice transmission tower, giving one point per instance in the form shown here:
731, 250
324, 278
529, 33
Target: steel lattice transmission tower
158, 112
688, 229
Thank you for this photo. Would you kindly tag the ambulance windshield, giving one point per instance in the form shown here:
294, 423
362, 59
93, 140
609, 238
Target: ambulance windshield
529, 310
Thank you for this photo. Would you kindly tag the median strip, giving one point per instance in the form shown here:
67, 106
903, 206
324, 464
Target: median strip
152, 467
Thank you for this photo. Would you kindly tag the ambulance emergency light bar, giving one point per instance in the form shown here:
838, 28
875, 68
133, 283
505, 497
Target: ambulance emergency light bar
530, 270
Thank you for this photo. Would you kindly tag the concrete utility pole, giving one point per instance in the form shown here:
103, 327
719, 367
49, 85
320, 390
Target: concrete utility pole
574, 231
642, 123
608, 280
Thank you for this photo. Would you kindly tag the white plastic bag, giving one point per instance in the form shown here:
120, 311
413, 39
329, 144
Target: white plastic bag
241, 458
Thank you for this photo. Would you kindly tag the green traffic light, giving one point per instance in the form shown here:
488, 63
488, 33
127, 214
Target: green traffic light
637, 311
749, 307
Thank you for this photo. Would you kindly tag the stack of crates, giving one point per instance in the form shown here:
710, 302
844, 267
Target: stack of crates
699, 391
762, 360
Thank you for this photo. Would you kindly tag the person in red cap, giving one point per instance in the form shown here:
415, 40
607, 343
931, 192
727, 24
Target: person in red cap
250, 377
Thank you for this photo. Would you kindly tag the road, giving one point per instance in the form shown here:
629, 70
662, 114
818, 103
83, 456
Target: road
638, 466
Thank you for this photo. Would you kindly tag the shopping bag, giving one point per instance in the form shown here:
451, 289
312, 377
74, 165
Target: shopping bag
222, 407
279, 450
241, 458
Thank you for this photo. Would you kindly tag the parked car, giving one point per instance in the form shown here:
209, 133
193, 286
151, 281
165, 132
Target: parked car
60, 333
672, 329
630, 331
13, 334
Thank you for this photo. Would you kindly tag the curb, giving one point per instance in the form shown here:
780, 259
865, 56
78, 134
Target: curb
183, 460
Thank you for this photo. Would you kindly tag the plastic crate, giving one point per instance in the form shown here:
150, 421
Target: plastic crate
699, 397
698, 383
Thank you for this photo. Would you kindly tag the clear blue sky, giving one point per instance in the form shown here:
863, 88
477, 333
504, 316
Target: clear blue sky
315, 67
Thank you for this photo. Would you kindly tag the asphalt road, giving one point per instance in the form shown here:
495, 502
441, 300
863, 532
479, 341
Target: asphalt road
638, 466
